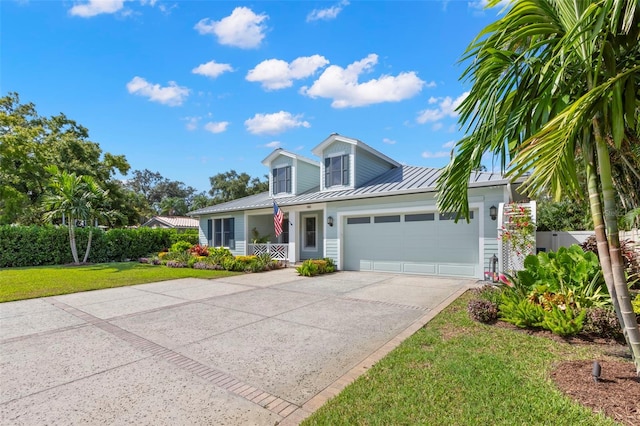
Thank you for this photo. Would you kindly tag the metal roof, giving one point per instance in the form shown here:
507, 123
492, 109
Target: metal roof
397, 181
173, 221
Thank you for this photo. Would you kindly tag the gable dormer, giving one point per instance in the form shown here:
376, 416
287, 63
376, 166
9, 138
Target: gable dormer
349, 163
290, 174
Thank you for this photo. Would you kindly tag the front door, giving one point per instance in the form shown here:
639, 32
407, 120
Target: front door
310, 234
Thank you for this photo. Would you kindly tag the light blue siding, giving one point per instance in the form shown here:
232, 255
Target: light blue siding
337, 148
368, 166
239, 235
307, 177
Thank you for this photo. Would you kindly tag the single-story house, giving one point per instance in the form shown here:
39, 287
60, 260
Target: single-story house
364, 210
180, 223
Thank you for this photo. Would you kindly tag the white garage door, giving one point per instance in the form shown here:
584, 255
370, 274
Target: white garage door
417, 243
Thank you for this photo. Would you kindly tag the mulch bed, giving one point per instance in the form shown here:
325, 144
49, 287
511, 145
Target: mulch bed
616, 394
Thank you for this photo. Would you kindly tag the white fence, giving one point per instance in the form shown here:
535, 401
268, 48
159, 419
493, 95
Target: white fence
553, 240
276, 251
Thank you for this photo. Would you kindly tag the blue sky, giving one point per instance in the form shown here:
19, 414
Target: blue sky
194, 88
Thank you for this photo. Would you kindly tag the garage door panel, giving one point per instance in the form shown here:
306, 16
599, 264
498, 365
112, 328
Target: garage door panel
440, 247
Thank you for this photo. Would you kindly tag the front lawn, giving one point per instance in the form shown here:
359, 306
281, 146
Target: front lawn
27, 283
456, 371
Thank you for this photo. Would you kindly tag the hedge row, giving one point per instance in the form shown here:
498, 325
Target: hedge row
49, 245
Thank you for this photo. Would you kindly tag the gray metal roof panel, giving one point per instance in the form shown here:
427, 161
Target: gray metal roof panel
399, 180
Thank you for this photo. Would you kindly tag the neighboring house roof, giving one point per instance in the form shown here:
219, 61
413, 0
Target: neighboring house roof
172, 222
397, 181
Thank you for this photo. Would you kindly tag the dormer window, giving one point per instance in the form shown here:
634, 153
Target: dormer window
282, 180
336, 171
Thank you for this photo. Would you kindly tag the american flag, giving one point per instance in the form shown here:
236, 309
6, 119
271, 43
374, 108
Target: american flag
278, 217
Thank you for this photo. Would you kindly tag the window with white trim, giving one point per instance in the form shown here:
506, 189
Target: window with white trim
336, 171
281, 180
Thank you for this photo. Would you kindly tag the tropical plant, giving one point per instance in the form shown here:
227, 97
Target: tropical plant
564, 322
78, 200
553, 79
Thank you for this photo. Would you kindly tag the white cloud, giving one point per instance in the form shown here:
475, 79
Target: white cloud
212, 69
328, 13
449, 144
341, 85
389, 141
192, 123
439, 154
273, 144
96, 7
216, 127
446, 108
276, 74
242, 28
437, 127
275, 123
172, 95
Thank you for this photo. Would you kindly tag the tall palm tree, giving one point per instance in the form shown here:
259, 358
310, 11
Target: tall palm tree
78, 198
554, 81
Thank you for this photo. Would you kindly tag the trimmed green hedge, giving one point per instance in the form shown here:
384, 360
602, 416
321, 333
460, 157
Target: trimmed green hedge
49, 245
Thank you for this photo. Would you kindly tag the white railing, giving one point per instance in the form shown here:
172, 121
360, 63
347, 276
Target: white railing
276, 251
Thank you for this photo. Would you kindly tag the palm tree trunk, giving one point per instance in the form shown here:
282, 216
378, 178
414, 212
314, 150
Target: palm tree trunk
631, 329
595, 206
72, 240
86, 253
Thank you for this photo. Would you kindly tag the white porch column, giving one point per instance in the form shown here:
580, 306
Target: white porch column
293, 236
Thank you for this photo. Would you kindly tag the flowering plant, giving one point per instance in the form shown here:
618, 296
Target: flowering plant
520, 230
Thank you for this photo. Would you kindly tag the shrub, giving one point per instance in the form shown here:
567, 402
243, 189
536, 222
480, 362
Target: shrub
308, 269
218, 254
180, 246
483, 310
602, 322
49, 245
176, 264
488, 292
636, 304
311, 267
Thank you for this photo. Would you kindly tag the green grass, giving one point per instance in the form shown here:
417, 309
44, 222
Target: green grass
459, 372
27, 283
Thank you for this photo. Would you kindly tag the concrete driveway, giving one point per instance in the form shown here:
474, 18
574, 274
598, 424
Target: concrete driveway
255, 349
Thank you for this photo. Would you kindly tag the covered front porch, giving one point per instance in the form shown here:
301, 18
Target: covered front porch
301, 238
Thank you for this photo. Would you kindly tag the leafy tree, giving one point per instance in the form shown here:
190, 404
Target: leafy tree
564, 215
161, 194
29, 143
79, 199
200, 201
173, 206
555, 81
230, 185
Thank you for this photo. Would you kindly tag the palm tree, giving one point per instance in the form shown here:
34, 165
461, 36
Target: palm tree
554, 81
78, 198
